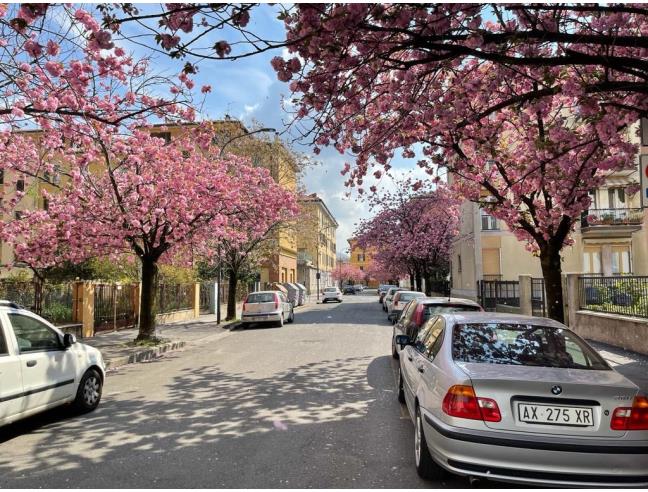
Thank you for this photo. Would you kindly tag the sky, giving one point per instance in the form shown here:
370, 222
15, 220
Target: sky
248, 89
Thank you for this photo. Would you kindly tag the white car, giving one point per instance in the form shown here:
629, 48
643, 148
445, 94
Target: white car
332, 294
41, 367
265, 306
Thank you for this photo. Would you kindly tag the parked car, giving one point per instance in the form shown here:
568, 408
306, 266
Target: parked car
520, 399
401, 297
332, 294
388, 297
382, 291
41, 367
421, 309
348, 289
267, 306
358, 287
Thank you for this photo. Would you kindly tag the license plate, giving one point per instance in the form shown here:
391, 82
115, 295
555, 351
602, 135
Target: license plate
555, 414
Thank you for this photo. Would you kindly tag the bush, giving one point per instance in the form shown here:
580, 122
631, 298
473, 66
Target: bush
57, 313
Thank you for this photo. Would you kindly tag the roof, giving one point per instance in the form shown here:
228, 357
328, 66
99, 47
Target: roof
313, 198
487, 317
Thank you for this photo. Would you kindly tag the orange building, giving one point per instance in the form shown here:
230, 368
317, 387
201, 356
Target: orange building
361, 258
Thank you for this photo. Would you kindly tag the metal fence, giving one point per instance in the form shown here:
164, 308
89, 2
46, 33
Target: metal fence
174, 297
502, 292
114, 307
538, 297
206, 295
440, 287
53, 302
616, 295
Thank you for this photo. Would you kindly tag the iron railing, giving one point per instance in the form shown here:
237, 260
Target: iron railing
538, 297
206, 296
612, 216
440, 287
626, 295
174, 297
499, 292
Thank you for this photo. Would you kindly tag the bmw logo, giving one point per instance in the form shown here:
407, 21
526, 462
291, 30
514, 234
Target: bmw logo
556, 390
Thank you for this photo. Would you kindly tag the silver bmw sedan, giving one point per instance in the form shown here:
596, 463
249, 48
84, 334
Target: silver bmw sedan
520, 399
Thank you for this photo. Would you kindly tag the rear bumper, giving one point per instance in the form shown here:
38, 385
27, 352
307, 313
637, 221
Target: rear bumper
260, 317
551, 461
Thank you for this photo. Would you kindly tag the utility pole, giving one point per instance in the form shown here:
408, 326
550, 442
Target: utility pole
218, 288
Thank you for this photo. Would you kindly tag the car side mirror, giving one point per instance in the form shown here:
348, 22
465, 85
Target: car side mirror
403, 340
68, 340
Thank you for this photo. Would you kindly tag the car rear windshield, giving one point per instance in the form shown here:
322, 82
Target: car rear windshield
409, 297
330, 289
262, 297
524, 345
432, 309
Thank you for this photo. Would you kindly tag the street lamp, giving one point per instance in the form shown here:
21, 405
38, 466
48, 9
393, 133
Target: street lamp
319, 231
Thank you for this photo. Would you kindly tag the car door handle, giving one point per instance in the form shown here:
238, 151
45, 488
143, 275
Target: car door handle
409, 358
31, 363
421, 370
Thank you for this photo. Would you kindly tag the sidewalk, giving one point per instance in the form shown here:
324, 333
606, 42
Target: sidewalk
116, 352
632, 365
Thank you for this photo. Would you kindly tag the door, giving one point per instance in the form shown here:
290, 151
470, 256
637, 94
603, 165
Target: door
430, 393
11, 387
410, 365
48, 369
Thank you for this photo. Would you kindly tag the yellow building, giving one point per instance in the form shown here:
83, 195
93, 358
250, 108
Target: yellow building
616, 243
361, 258
316, 244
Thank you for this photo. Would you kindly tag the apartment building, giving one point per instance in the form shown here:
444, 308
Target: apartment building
361, 258
316, 244
614, 243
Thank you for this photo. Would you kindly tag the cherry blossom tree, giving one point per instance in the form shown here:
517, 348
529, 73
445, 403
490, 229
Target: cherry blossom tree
134, 194
347, 272
528, 140
412, 232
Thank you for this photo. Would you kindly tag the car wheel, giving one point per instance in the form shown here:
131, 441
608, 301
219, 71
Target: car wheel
426, 467
401, 390
281, 321
292, 316
394, 350
89, 391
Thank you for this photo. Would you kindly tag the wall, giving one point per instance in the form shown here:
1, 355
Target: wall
620, 331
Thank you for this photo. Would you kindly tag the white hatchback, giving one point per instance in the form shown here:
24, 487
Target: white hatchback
332, 294
41, 367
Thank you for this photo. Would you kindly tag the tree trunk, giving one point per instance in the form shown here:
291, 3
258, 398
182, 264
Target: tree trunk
411, 275
232, 282
147, 302
552, 273
419, 283
428, 284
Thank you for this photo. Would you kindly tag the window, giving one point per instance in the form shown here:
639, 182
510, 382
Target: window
33, 335
459, 263
1, 176
488, 222
432, 309
592, 259
20, 185
523, 345
166, 136
260, 297
361, 268
593, 200
45, 203
621, 260
616, 198
436, 327
436, 346
3, 344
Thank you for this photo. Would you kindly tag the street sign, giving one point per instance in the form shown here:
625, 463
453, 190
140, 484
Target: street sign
643, 165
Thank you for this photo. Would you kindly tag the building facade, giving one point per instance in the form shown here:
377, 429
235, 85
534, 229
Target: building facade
610, 239
316, 243
361, 258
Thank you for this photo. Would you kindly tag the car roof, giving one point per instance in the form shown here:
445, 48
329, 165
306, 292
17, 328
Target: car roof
488, 317
447, 300
266, 292
410, 292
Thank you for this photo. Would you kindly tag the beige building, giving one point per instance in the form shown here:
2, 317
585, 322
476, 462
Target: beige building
316, 244
615, 243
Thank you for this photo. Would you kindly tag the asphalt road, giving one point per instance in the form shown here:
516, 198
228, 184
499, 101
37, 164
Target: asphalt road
311, 404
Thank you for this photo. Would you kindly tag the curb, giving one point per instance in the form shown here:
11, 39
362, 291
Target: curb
143, 355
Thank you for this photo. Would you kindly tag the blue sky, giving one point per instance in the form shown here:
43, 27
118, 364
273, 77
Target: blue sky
248, 89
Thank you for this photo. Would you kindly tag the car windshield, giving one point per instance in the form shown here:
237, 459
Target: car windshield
260, 297
432, 309
525, 345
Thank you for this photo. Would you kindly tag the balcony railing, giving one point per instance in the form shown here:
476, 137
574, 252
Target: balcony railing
612, 216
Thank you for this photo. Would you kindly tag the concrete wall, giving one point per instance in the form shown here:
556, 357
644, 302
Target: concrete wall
620, 331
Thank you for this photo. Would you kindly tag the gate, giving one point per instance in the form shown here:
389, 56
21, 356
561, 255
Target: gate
538, 297
114, 307
494, 292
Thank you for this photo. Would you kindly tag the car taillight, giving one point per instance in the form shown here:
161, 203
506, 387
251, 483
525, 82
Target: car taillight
395, 303
631, 418
276, 301
460, 401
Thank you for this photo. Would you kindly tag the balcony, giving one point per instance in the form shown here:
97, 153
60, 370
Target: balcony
605, 222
